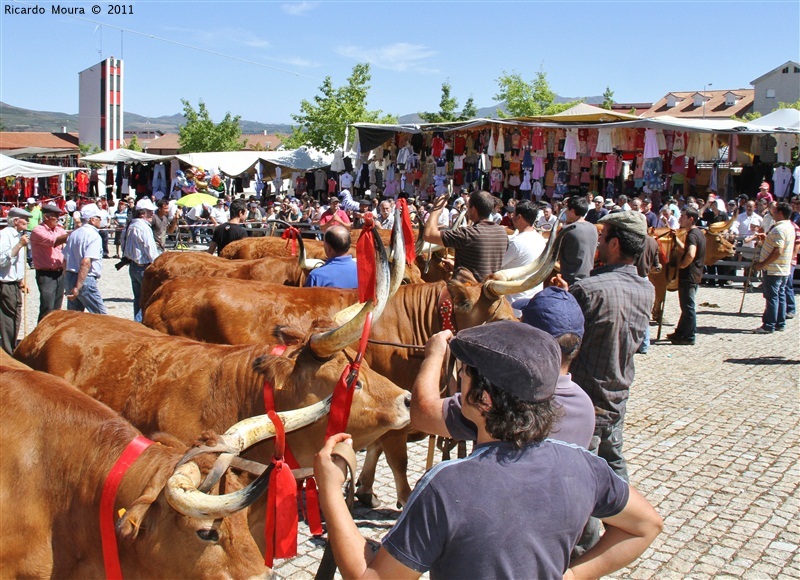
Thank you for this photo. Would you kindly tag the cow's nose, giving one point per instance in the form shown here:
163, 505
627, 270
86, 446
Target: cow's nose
407, 401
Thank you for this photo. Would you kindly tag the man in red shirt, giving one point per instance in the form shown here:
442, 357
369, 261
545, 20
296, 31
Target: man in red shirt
334, 216
47, 239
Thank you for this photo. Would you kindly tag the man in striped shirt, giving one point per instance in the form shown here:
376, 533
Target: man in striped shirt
481, 246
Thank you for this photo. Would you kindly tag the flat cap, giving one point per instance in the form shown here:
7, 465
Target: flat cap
553, 310
517, 358
630, 221
52, 208
18, 212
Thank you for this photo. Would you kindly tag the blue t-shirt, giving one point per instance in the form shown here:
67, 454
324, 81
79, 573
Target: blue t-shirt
339, 272
505, 513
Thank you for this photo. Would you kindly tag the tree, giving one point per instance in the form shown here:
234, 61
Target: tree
470, 111
200, 134
608, 98
447, 108
134, 144
322, 122
795, 105
525, 99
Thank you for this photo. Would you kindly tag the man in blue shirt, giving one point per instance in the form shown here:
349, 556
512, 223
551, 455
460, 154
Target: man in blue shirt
339, 270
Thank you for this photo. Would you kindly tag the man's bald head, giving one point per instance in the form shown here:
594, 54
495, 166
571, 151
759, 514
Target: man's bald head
338, 238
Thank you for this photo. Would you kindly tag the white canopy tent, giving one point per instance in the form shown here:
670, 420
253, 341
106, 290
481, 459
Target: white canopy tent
229, 162
124, 156
782, 119
302, 159
10, 167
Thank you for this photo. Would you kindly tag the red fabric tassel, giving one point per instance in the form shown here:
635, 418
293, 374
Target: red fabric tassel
281, 526
365, 252
312, 507
290, 235
408, 232
340, 405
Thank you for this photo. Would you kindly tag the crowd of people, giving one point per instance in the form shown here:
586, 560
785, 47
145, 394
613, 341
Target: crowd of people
546, 397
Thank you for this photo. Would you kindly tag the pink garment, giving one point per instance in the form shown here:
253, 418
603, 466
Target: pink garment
638, 172
611, 166
538, 167
571, 144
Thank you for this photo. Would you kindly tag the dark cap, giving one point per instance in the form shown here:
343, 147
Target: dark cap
630, 221
52, 208
517, 358
553, 310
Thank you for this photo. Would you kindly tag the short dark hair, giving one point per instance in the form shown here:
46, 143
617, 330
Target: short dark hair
338, 239
163, 202
527, 211
578, 204
238, 206
510, 418
784, 208
691, 212
483, 202
630, 244
570, 346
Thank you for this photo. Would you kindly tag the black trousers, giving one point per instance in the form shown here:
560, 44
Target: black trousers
10, 315
51, 291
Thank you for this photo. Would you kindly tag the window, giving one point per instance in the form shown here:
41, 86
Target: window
785, 70
730, 100
671, 101
770, 93
797, 69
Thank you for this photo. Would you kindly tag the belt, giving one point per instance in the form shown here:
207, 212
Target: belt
16, 282
49, 269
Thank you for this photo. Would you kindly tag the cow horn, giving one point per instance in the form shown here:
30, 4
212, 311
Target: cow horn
398, 253
460, 219
302, 258
325, 344
181, 489
516, 280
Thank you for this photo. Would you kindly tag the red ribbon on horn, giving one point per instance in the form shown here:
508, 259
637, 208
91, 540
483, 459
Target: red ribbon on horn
291, 234
365, 253
281, 527
408, 232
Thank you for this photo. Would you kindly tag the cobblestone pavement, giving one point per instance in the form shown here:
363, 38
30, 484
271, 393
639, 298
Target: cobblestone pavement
711, 441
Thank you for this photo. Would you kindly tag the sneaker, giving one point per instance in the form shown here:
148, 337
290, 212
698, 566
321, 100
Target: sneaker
789, 315
780, 328
681, 341
761, 330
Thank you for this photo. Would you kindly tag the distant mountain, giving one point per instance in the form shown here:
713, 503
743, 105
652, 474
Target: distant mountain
18, 119
491, 111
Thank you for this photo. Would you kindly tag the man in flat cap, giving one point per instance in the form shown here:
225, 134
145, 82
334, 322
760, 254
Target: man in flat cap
616, 304
515, 507
83, 255
12, 275
47, 242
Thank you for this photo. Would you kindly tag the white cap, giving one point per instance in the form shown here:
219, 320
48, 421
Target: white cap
31, 201
599, 199
89, 211
145, 203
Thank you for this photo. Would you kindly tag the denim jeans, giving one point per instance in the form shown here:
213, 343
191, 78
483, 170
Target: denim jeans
645, 346
137, 276
791, 305
687, 325
775, 295
88, 297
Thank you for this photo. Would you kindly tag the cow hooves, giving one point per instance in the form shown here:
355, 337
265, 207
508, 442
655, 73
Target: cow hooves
369, 500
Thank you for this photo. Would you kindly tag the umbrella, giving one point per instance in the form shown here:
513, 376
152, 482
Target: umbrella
194, 199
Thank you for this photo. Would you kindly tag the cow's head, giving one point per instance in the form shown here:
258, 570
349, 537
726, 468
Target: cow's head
718, 247
474, 303
157, 540
311, 367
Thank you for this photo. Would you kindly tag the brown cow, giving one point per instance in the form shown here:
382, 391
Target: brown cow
232, 311
58, 447
6, 360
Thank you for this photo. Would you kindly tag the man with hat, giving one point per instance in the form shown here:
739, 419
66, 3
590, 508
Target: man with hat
12, 275
598, 211
763, 192
334, 216
553, 310
515, 507
616, 304
83, 255
140, 249
47, 241
32, 207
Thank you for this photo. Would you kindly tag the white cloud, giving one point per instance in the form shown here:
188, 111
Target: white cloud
400, 57
299, 8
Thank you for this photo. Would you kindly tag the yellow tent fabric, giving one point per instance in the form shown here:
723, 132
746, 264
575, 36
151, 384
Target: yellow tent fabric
582, 113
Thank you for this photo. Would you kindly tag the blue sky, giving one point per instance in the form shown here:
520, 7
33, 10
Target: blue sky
283, 50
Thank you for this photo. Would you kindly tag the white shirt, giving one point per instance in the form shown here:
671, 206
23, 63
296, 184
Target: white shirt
140, 244
746, 223
546, 224
12, 268
523, 248
82, 243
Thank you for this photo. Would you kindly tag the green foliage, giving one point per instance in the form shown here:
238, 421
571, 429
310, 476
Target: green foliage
795, 105
134, 144
200, 134
447, 108
322, 122
87, 149
470, 111
747, 117
525, 99
608, 98
632, 111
